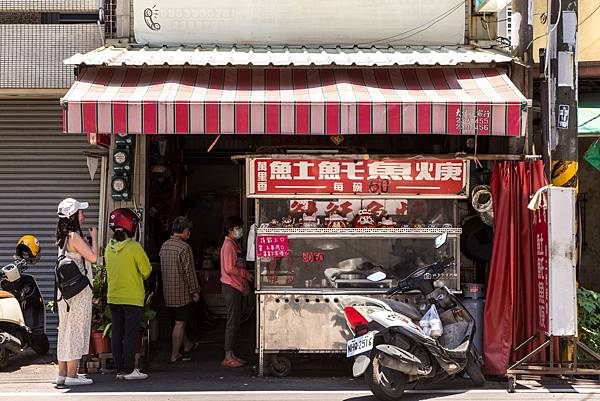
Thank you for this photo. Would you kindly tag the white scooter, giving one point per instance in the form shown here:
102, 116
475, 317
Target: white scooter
22, 313
391, 348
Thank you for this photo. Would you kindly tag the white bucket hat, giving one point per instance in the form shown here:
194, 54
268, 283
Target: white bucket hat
69, 207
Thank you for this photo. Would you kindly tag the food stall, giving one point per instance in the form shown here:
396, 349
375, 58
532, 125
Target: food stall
324, 223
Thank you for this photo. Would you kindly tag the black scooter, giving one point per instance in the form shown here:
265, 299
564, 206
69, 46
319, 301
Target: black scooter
22, 312
391, 348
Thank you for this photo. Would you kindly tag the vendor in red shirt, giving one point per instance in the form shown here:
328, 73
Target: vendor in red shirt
236, 283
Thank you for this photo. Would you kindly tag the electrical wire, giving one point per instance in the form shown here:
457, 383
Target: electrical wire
590, 45
589, 16
427, 25
544, 18
547, 60
501, 41
430, 25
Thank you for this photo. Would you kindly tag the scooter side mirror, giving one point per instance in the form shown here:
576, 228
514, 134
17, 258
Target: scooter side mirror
11, 272
377, 276
440, 240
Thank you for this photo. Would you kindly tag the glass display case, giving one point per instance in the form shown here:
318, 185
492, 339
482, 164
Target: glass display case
346, 240
324, 223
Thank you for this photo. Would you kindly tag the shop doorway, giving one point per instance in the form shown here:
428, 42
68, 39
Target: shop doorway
183, 179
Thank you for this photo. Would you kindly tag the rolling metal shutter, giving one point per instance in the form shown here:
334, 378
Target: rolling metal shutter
40, 166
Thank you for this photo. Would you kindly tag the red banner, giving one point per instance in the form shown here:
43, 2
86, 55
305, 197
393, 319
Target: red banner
540, 255
358, 177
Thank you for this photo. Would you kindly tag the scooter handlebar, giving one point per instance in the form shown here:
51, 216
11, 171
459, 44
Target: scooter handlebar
432, 270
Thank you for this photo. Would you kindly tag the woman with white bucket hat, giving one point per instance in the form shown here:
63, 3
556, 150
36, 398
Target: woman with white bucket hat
75, 315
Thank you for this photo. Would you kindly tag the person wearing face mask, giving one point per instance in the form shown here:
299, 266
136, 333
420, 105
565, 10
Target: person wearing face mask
235, 279
180, 286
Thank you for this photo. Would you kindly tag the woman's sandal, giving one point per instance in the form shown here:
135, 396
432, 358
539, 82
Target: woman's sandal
231, 363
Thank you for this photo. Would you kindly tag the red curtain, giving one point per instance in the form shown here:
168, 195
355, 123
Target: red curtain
509, 314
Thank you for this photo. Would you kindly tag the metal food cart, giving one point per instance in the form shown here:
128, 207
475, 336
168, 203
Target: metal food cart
323, 223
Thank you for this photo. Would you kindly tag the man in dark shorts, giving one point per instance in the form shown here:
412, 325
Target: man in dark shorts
180, 285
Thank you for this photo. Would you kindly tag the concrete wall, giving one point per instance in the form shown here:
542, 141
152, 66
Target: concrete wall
589, 34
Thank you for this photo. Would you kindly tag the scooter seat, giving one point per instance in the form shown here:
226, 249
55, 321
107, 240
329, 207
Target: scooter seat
404, 309
6, 294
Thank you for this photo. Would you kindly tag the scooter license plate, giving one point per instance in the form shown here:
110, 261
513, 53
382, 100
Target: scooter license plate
360, 344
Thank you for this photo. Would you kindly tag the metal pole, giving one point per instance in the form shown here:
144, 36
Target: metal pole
562, 68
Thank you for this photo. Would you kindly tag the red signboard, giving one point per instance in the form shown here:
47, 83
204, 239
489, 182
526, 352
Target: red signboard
541, 260
272, 246
358, 177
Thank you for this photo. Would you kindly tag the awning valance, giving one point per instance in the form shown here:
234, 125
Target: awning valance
196, 100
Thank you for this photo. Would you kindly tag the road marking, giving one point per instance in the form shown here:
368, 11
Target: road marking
63, 392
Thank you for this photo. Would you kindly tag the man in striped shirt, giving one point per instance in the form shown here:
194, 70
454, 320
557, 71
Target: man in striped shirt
180, 285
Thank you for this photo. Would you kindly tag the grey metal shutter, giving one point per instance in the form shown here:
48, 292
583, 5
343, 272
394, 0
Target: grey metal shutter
40, 166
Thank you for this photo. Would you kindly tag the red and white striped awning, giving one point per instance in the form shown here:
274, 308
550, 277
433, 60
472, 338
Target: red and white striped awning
196, 100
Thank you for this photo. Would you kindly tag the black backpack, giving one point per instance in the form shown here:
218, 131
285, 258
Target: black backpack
69, 279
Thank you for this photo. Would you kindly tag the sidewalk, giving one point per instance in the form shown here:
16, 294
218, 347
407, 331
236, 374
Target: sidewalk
30, 373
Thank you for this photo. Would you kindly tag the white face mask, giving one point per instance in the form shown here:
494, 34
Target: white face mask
238, 233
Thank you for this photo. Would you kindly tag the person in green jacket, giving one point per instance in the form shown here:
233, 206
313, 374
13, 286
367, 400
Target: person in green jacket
127, 266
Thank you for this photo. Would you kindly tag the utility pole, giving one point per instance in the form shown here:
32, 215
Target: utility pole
560, 66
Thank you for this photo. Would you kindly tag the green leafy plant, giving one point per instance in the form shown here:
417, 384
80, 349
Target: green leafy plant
589, 318
50, 306
101, 315
106, 326
99, 298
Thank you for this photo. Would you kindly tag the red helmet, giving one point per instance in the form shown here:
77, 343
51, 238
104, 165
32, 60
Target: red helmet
125, 219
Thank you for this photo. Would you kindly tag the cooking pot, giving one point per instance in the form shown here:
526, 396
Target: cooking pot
353, 264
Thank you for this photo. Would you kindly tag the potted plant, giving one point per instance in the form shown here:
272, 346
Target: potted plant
99, 342
102, 318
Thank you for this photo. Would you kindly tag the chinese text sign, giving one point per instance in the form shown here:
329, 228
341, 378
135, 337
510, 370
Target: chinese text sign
363, 177
541, 265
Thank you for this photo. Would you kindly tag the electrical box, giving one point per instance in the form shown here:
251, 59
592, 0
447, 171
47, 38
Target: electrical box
554, 233
122, 167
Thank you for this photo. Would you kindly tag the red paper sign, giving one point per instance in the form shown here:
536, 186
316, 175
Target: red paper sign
362, 177
540, 254
272, 246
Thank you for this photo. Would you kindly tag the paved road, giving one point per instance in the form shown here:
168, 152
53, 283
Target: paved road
30, 379
579, 394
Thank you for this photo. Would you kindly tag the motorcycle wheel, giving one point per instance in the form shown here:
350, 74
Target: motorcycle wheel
4, 355
40, 344
385, 384
473, 369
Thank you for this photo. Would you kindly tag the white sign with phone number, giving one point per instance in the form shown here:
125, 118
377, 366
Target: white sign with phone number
297, 22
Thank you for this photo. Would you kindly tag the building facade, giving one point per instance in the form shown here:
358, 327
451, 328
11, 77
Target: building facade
39, 165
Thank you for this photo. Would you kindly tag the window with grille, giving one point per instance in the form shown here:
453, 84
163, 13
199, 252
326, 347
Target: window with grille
110, 18
505, 22
37, 35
